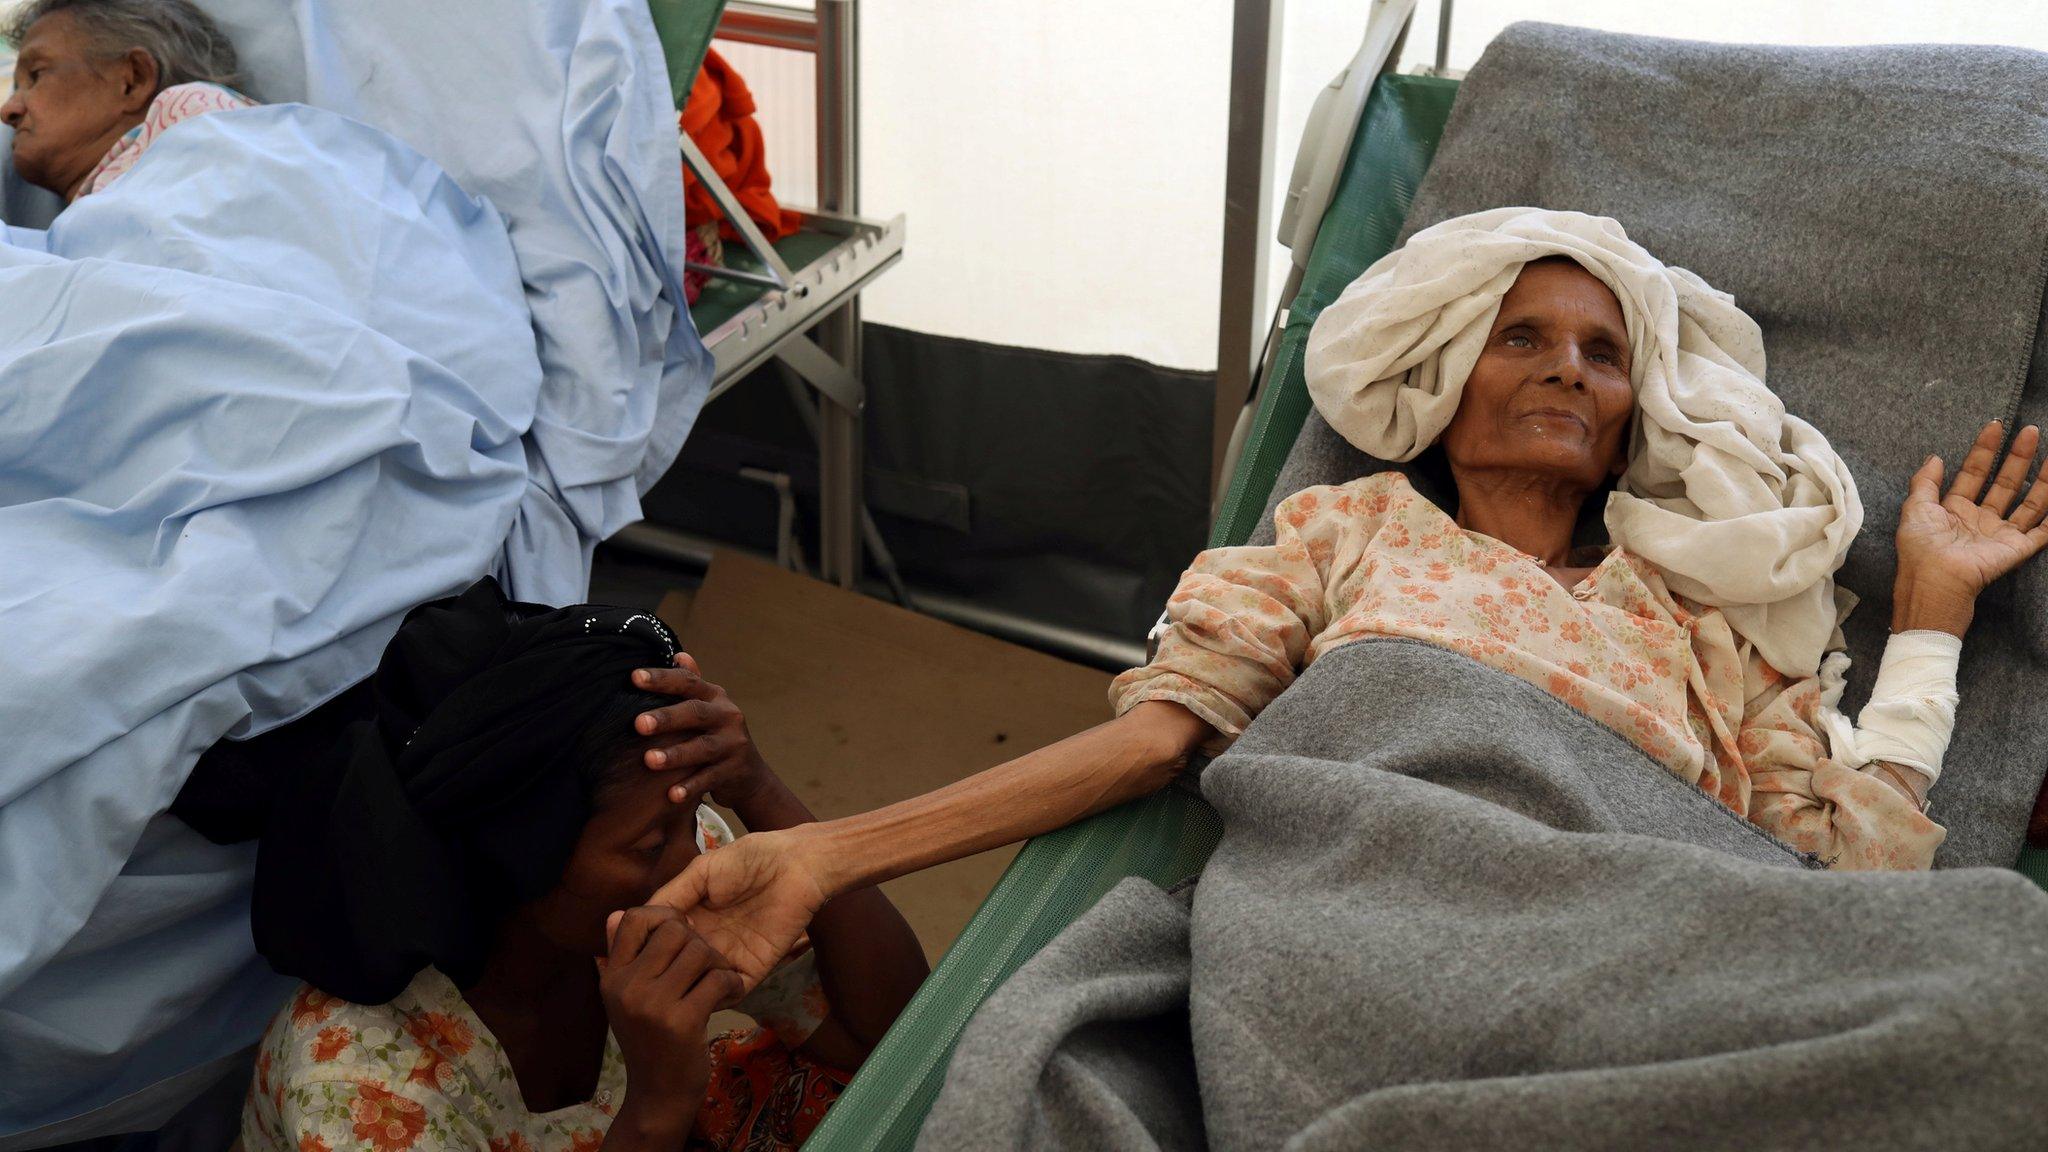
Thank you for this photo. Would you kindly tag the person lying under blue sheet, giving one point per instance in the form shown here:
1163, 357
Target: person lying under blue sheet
96, 82
261, 392
274, 375
442, 875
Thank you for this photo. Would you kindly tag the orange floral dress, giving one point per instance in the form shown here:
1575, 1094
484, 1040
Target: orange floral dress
1375, 558
424, 1073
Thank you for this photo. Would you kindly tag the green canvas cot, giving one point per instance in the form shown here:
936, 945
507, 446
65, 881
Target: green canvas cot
1164, 838
686, 28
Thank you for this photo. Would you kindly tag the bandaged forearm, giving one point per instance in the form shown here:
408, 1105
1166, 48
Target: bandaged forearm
1912, 708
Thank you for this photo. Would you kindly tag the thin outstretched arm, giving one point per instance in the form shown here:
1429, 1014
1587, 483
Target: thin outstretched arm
1134, 755
754, 897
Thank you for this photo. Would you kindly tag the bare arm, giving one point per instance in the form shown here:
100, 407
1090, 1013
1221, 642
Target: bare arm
1955, 544
1134, 755
1242, 620
754, 897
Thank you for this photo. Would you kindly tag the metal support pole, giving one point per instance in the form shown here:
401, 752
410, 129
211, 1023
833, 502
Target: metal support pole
1443, 39
878, 549
840, 435
1247, 215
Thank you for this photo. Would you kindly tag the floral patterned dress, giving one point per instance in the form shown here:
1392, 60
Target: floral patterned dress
424, 1073
1375, 558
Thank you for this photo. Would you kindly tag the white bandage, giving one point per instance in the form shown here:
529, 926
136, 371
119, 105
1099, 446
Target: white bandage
1912, 708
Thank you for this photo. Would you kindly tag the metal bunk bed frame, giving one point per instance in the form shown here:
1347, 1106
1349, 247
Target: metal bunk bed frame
807, 317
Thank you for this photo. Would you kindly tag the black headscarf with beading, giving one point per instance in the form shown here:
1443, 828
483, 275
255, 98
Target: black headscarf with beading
455, 803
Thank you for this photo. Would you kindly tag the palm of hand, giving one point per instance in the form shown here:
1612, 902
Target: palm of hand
1960, 543
750, 899
1969, 544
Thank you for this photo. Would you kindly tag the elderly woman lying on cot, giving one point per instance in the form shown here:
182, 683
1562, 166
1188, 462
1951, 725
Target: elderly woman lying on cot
96, 82
1544, 359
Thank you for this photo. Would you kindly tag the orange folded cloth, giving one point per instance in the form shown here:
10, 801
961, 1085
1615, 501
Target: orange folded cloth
719, 116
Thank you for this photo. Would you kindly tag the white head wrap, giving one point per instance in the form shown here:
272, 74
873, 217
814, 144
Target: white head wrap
1741, 505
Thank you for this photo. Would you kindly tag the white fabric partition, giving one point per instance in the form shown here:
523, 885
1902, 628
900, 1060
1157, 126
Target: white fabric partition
1061, 161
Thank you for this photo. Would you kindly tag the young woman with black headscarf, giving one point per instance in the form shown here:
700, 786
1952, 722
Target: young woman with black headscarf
443, 883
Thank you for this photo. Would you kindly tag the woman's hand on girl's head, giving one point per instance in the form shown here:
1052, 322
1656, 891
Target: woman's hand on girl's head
661, 982
751, 899
704, 737
1952, 546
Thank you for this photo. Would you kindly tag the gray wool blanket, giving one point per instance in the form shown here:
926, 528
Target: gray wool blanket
1449, 912
1883, 214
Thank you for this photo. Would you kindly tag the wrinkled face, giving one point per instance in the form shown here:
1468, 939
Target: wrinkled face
636, 841
71, 104
1550, 393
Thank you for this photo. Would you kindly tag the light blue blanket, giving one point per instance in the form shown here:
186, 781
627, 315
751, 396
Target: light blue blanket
349, 501
559, 113
257, 400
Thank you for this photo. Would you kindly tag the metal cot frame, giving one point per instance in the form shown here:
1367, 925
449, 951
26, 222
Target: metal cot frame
807, 318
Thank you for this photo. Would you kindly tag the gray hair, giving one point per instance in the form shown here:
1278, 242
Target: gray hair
185, 43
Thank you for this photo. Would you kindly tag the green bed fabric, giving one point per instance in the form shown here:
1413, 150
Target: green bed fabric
685, 28
1164, 838
2034, 865
1054, 879
1396, 138
722, 299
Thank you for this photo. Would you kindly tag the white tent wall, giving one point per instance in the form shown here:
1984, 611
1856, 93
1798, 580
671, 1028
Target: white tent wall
1064, 171
785, 86
1319, 37
1061, 164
